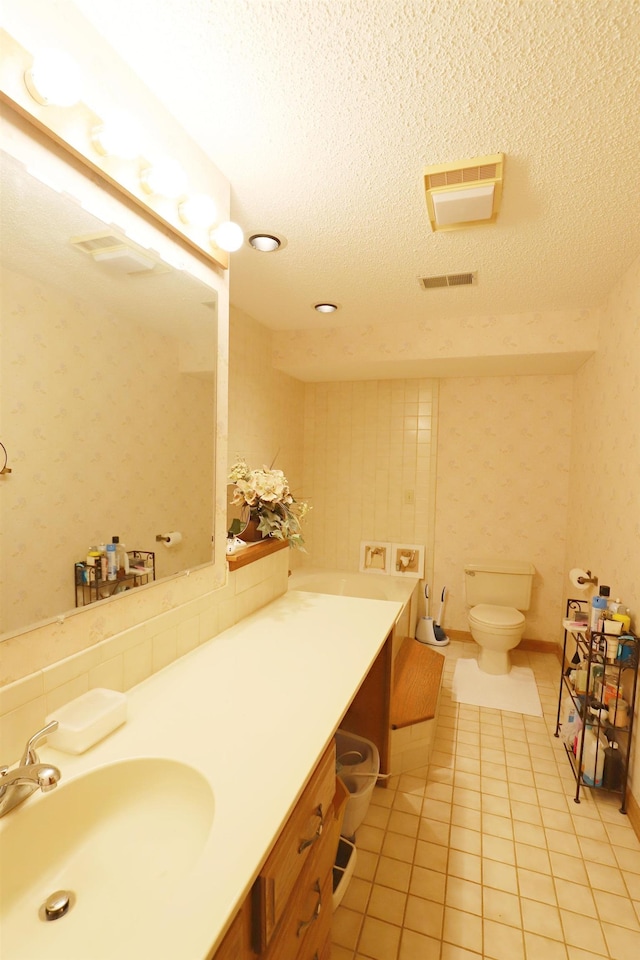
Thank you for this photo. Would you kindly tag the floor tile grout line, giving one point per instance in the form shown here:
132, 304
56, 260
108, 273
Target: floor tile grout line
554, 878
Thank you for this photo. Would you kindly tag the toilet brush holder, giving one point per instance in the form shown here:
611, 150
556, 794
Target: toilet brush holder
426, 633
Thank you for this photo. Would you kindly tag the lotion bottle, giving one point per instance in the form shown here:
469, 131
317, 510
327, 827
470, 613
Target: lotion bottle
598, 607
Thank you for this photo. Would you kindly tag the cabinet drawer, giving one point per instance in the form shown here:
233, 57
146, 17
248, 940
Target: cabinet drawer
300, 837
307, 922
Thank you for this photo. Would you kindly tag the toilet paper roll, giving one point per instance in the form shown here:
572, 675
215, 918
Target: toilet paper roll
171, 539
575, 574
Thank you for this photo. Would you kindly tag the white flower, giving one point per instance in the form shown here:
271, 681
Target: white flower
266, 493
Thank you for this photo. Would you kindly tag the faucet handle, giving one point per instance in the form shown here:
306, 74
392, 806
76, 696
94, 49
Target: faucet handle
30, 755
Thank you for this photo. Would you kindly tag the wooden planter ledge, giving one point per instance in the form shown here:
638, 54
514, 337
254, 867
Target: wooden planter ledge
416, 683
256, 551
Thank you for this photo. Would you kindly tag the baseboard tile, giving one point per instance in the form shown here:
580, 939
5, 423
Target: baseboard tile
633, 812
534, 646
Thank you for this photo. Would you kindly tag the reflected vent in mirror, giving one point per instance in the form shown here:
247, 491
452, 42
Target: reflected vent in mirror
449, 280
119, 255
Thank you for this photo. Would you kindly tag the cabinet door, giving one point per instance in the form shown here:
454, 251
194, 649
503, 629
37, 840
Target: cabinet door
301, 835
237, 941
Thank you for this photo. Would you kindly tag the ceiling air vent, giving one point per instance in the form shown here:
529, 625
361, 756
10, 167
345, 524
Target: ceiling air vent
464, 193
96, 242
449, 280
119, 255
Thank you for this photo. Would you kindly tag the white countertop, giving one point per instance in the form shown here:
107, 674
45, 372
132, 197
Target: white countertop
253, 710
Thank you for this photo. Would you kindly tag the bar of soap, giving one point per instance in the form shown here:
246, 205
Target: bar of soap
88, 719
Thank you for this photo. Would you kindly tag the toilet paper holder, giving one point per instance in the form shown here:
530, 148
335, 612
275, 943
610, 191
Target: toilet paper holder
580, 578
169, 539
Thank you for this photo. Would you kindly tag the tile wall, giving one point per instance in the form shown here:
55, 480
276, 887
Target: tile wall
128, 657
369, 460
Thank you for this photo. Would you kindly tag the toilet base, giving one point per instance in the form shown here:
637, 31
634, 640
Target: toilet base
495, 662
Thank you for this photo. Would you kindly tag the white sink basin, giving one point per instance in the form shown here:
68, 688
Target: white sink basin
119, 838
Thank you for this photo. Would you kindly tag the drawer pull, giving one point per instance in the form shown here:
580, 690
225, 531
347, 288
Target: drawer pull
307, 843
303, 924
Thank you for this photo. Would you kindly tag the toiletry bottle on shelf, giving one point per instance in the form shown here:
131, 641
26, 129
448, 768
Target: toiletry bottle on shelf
103, 560
581, 679
93, 565
612, 776
592, 759
112, 562
616, 606
122, 557
598, 606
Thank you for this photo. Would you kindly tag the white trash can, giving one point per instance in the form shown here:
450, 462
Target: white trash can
358, 766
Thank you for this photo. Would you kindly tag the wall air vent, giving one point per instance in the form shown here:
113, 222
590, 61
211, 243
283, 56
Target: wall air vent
449, 280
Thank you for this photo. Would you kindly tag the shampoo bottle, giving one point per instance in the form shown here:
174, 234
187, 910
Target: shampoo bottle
112, 562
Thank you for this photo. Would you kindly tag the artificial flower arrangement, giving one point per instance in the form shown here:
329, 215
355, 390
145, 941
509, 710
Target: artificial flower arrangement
265, 492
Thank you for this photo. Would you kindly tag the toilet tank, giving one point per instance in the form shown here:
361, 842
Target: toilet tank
506, 583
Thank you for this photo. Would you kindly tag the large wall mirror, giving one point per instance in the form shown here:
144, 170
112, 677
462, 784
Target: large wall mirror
107, 399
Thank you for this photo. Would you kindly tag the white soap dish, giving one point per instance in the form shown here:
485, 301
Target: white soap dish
87, 719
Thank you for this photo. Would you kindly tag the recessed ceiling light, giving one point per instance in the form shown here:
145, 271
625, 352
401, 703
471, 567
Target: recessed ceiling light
325, 307
265, 242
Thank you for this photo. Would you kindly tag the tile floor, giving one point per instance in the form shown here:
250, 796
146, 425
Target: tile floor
484, 854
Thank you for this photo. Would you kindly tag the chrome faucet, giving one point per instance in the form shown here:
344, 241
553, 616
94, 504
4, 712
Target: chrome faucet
30, 775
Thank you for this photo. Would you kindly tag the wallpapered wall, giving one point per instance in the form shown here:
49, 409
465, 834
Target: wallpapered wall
368, 466
604, 505
265, 406
494, 336
106, 438
604, 511
503, 486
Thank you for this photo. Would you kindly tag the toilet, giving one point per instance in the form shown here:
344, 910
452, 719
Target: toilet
497, 591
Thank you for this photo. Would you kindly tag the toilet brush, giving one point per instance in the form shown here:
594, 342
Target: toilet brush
441, 636
426, 628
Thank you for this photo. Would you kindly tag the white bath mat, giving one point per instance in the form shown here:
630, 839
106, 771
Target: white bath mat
515, 691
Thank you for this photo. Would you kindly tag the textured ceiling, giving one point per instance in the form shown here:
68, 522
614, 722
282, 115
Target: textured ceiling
323, 113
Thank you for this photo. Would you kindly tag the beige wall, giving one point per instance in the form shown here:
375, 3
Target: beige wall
265, 406
368, 453
604, 505
503, 486
112, 443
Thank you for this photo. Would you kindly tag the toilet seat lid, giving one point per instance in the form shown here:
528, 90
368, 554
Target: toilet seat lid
494, 616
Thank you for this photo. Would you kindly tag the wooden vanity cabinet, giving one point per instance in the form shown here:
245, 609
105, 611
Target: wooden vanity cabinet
287, 915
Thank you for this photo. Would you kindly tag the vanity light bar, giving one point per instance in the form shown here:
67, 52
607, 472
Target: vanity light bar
32, 84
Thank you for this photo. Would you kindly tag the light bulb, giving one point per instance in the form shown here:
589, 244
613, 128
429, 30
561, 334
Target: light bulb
228, 236
164, 177
326, 307
117, 136
198, 210
54, 79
